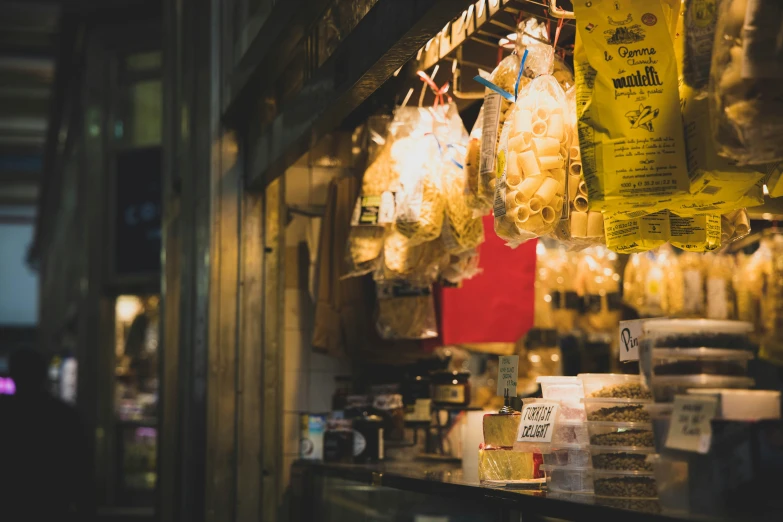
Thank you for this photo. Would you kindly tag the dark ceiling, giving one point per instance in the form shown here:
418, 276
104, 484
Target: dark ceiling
28, 39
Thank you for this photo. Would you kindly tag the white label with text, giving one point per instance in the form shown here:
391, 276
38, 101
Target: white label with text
508, 370
538, 422
630, 333
691, 428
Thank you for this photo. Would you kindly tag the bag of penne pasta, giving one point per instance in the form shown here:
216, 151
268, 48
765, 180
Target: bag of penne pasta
630, 127
532, 159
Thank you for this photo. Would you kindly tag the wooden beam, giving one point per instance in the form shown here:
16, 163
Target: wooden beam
384, 40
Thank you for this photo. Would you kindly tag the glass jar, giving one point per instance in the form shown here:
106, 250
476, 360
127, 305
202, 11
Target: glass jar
450, 387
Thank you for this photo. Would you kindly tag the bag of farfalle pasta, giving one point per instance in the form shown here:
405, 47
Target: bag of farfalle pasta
533, 155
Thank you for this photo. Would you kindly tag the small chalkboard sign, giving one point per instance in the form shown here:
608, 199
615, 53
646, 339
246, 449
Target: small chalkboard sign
137, 220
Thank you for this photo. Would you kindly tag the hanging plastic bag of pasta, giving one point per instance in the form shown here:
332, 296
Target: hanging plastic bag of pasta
598, 283
747, 68
471, 163
580, 226
419, 203
720, 290
531, 162
405, 311
630, 128
402, 259
496, 110
652, 283
374, 210
462, 230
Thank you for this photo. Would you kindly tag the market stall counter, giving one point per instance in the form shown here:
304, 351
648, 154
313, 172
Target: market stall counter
417, 490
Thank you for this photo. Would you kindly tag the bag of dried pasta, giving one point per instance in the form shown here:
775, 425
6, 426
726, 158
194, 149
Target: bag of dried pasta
598, 283
459, 267
374, 212
405, 311
580, 226
420, 202
404, 259
744, 90
532, 161
719, 286
472, 162
496, 111
693, 270
630, 128
652, 283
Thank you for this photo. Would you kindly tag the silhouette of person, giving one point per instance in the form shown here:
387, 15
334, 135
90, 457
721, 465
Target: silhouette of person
45, 464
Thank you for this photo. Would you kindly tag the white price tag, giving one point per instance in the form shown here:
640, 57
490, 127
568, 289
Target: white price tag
508, 370
690, 428
538, 422
630, 333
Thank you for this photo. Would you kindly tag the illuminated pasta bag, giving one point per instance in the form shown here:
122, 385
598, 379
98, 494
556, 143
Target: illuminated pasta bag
530, 192
744, 91
406, 260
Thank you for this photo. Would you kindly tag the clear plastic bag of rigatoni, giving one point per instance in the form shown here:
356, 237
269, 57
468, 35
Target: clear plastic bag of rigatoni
533, 155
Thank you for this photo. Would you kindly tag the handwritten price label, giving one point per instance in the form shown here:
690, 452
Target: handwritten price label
630, 333
508, 371
691, 428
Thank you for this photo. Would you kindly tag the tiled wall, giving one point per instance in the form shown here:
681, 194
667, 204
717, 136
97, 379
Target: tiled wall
309, 377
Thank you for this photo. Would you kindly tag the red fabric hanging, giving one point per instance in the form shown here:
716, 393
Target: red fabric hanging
497, 304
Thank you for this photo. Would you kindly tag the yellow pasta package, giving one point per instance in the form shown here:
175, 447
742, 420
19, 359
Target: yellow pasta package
630, 128
626, 236
700, 233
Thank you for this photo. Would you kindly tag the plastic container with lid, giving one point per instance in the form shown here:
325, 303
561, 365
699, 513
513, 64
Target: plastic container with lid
702, 360
613, 386
570, 455
660, 415
625, 484
616, 410
572, 496
568, 479
566, 389
745, 405
666, 387
695, 333
621, 458
637, 434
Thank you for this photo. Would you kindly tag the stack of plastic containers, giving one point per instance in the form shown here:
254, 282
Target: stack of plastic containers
567, 457
621, 439
679, 354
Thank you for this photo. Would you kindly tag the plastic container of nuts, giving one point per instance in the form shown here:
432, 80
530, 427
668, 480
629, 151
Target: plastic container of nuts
621, 458
616, 410
666, 387
625, 484
614, 386
687, 333
637, 434
692, 361
568, 479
